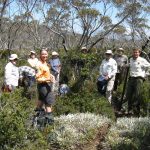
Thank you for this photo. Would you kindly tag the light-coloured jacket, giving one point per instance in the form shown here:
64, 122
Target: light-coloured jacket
108, 67
11, 74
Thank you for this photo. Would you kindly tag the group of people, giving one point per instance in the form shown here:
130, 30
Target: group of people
112, 72
45, 73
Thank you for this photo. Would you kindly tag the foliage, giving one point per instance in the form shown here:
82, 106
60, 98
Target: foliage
73, 130
83, 102
15, 126
130, 133
12, 119
78, 67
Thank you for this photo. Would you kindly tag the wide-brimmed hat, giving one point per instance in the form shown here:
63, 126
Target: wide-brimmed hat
32, 52
83, 48
109, 52
120, 49
13, 56
55, 54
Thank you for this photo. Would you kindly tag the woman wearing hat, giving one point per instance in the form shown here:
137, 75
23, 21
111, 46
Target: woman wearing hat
11, 73
32, 60
55, 67
108, 70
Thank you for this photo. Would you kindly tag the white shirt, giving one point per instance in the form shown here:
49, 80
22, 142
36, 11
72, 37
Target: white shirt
33, 62
138, 67
108, 67
11, 74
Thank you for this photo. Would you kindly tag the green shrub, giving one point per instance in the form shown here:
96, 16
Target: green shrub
15, 124
130, 133
83, 102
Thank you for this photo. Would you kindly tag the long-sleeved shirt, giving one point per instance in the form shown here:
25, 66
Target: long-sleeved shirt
108, 68
33, 62
55, 64
11, 74
121, 60
27, 71
138, 67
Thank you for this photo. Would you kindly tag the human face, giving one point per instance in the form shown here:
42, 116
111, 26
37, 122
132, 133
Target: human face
44, 55
55, 56
108, 56
14, 62
136, 54
119, 52
32, 56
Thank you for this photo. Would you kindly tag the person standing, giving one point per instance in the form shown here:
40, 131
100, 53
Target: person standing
137, 73
44, 80
108, 70
32, 60
122, 62
55, 68
11, 77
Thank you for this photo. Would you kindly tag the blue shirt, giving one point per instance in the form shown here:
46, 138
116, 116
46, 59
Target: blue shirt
55, 64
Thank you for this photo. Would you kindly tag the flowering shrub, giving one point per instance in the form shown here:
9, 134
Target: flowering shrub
76, 129
130, 133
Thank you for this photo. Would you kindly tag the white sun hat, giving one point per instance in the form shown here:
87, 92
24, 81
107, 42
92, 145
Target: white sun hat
13, 56
83, 48
109, 52
32, 52
120, 49
55, 54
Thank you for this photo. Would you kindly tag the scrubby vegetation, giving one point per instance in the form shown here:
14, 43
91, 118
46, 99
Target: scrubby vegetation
83, 119
130, 133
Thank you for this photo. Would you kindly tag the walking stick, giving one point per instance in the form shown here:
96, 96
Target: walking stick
124, 86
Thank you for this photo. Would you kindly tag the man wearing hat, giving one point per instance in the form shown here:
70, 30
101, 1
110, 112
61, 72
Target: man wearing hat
11, 73
108, 70
84, 50
122, 63
32, 60
55, 68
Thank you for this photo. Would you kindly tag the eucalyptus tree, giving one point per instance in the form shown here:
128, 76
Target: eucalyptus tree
77, 21
137, 21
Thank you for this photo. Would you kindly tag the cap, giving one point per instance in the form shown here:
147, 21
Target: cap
109, 52
13, 56
55, 54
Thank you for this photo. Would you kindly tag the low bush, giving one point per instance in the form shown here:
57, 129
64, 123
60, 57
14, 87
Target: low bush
15, 123
83, 102
130, 133
76, 130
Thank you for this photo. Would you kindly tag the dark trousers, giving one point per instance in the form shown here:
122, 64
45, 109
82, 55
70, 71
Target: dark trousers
118, 80
101, 86
134, 93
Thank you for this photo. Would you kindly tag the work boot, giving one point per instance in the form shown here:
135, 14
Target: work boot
49, 118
